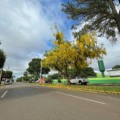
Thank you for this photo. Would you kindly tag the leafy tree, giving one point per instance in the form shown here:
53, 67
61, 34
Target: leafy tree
87, 72
98, 15
54, 76
66, 55
84, 72
85, 50
45, 70
19, 79
7, 74
2, 58
58, 58
26, 78
116, 67
25, 74
2, 61
34, 67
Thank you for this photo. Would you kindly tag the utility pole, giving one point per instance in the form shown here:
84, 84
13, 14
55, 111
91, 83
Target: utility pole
41, 69
0, 75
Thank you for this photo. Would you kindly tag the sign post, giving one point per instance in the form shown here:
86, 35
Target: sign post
101, 67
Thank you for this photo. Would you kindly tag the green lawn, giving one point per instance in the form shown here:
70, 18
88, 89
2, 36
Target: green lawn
101, 88
106, 80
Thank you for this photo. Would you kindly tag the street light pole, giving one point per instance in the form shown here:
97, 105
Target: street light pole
41, 69
0, 74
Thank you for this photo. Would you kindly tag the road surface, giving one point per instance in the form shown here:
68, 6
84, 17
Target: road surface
25, 102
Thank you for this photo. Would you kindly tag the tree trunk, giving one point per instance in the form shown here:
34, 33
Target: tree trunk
118, 21
115, 13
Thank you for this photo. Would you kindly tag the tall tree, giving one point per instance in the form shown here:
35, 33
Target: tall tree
2, 58
25, 74
7, 74
116, 67
66, 55
98, 15
2, 61
84, 72
34, 67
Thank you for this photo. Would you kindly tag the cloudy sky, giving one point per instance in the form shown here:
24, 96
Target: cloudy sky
26, 32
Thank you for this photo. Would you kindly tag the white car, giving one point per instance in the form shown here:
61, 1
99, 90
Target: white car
8, 81
81, 81
37, 81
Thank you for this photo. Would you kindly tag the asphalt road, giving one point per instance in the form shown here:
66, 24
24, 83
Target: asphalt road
24, 102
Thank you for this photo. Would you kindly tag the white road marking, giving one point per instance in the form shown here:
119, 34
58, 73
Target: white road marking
82, 98
4, 94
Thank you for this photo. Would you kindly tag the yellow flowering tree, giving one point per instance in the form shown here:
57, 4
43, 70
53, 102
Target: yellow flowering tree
58, 58
65, 56
85, 50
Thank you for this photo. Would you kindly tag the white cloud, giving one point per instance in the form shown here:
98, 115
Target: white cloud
25, 30
113, 54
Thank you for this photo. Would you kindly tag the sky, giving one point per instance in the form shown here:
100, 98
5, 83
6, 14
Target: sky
26, 32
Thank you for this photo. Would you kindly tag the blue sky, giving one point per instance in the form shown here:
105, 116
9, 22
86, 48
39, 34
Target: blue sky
26, 28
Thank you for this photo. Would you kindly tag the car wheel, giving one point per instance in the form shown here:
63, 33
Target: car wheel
80, 82
85, 83
69, 83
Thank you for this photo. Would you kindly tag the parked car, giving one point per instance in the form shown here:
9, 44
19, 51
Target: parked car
37, 81
31, 81
8, 81
81, 81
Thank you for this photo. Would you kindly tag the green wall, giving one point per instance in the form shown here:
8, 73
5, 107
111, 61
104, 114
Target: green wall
113, 80
107, 80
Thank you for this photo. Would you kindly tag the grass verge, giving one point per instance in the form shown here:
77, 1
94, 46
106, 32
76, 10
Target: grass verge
1, 85
93, 89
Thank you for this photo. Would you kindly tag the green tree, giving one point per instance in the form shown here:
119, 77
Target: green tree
7, 75
34, 67
98, 15
2, 58
2, 61
25, 74
20, 79
84, 72
54, 76
87, 72
26, 78
116, 67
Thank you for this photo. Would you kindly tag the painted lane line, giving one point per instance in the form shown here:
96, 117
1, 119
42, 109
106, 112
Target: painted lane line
82, 98
4, 94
